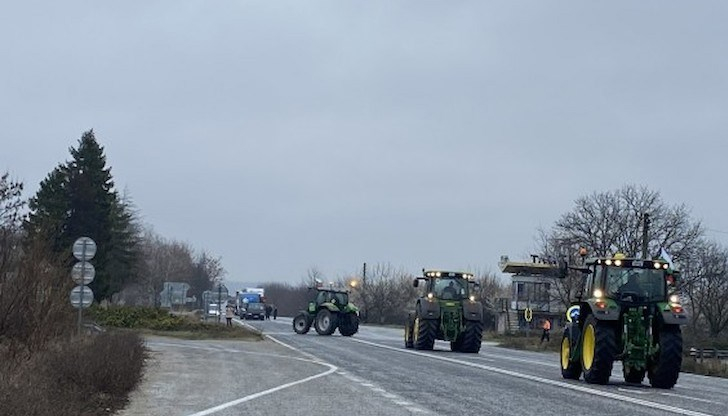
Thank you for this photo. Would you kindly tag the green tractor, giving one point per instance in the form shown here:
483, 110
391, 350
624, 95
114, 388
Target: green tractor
631, 313
448, 311
330, 309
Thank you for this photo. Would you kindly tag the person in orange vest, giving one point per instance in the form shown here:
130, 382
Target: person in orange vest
546, 331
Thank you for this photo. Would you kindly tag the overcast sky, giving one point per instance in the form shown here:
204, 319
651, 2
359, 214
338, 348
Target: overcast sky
288, 135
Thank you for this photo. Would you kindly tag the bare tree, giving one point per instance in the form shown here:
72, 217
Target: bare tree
385, 294
34, 284
706, 287
609, 222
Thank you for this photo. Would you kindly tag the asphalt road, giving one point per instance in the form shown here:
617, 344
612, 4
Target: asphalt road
372, 373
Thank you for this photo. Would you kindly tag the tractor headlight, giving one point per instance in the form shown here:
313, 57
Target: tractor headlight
430, 296
472, 298
674, 298
598, 293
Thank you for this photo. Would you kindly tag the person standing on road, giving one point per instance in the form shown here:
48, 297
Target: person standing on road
268, 310
546, 331
275, 312
229, 312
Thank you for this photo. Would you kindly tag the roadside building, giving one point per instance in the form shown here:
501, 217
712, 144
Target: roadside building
532, 296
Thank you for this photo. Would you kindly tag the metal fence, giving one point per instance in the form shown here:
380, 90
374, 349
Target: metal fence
699, 354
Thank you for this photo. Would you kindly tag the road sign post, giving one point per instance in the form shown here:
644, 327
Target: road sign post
82, 273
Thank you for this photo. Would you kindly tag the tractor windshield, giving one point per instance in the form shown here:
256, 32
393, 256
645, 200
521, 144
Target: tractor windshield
638, 284
450, 288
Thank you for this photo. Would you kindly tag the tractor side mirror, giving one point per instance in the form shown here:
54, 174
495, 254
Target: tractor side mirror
416, 282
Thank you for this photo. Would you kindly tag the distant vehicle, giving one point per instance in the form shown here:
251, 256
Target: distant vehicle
254, 311
247, 296
213, 310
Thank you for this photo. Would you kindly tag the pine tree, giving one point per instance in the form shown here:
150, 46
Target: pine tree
78, 199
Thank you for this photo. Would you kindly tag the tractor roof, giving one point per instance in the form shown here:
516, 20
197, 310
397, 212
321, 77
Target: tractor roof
441, 273
622, 261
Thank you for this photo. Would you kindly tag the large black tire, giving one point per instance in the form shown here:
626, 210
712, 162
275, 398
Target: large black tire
598, 350
471, 337
570, 366
301, 323
664, 368
325, 322
424, 333
408, 324
348, 324
633, 375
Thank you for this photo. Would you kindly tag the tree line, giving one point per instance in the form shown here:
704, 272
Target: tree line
78, 198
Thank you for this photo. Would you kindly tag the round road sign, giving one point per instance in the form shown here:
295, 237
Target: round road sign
84, 249
83, 273
81, 297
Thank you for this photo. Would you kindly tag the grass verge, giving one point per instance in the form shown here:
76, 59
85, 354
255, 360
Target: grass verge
154, 321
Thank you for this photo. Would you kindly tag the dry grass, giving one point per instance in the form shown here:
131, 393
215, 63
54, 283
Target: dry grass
85, 376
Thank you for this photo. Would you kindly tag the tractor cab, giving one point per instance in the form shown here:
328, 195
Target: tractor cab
628, 281
447, 286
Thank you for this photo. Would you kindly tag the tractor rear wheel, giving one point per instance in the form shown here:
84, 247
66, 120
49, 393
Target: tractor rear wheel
471, 337
326, 322
424, 333
664, 368
408, 324
598, 350
301, 323
349, 324
570, 366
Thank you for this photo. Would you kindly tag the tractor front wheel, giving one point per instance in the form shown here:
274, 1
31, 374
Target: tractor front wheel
664, 368
325, 322
471, 337
598, 350
301, 323
570, 365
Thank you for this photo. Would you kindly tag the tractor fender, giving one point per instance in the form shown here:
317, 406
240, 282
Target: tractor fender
330, 306
608, 313
428, 309
672, 318
472, 311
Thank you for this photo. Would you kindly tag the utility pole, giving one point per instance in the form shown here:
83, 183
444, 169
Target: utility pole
645, 230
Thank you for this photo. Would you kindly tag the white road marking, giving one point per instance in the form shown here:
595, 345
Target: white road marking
523, 360
682, 396
635, 391
530, 377
332, 369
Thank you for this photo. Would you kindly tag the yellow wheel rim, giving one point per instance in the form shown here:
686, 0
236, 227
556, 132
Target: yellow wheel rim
565, 352
588, 347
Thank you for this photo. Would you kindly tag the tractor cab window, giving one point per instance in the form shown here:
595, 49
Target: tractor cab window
449, 289
340, 298
321, 297
644, 284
